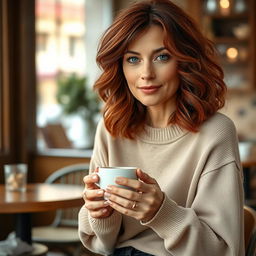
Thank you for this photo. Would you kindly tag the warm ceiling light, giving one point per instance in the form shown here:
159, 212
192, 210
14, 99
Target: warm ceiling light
224, 4
232, 53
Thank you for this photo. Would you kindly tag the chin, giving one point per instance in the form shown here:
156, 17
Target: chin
148, 104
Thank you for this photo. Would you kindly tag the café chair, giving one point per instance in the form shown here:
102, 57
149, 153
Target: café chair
55, 136
250, 231
62, 234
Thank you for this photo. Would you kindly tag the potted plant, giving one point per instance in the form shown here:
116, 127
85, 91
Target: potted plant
76, 97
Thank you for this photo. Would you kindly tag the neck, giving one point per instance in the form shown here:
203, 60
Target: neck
158, 119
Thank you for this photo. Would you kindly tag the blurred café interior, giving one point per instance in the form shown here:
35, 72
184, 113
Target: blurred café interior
48, 110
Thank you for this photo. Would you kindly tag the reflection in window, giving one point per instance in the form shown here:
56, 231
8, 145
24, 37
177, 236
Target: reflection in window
60, 28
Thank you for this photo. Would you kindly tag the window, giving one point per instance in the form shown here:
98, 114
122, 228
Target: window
64, 60
59, 26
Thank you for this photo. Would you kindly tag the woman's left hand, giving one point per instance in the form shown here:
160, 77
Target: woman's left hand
142, 203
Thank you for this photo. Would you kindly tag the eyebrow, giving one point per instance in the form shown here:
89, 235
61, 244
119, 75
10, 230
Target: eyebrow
154, 51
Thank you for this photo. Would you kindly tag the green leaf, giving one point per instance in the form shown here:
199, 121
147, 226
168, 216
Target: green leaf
75, 96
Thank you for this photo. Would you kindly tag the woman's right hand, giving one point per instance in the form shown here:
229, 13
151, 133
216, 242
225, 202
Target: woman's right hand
93, 197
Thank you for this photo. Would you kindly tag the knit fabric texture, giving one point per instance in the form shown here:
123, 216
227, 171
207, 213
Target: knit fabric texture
201, 177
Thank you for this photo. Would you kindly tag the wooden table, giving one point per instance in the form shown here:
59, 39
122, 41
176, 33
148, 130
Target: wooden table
37, 198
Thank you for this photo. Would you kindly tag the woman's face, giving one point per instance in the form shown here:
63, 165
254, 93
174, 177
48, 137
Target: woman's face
151, 71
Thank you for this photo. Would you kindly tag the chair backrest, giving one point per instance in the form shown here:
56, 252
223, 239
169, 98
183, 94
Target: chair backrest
55, 136
250, 231
72, 174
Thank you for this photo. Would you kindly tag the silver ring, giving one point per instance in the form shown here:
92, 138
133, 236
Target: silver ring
134, 205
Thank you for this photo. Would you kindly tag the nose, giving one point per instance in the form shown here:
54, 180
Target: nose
147, 71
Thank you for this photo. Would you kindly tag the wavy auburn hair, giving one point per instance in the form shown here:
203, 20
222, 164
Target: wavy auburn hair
201, 90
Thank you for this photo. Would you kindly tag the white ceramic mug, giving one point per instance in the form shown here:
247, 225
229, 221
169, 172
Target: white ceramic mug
108, 175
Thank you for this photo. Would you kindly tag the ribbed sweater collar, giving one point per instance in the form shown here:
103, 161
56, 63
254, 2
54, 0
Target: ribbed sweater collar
161, 135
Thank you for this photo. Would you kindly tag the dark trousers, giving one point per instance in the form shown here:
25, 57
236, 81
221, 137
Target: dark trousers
129, 251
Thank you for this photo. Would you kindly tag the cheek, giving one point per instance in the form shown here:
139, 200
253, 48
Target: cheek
169, 76
130, 76
130, 79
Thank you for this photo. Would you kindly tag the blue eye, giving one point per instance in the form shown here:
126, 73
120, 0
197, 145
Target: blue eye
133, 60
163, 57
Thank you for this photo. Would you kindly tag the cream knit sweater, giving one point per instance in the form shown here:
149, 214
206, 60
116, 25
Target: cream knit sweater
200, 174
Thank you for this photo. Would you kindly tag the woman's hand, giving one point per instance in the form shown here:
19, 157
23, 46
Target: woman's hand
93, 197
142, 203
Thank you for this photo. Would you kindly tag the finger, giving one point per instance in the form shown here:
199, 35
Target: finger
126, 203
145, 177
134, 184
95, 205
92, 194
101, 213
129, 212
125, 193
90, 180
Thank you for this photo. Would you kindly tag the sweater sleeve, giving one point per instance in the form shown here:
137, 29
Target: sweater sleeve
199, 229
99, 235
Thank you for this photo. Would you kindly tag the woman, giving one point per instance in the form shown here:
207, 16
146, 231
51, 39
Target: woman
162, 89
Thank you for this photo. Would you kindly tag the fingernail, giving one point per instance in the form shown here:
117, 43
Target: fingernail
100, 192
109, 188
106, 195
104, 210
95, 177
118, 179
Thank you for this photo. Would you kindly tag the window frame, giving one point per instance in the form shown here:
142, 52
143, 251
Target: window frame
4, 84
17, 84
1, 77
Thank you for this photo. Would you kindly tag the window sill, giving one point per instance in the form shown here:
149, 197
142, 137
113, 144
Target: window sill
78, 153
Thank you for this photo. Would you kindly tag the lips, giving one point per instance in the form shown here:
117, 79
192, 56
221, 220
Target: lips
149, 89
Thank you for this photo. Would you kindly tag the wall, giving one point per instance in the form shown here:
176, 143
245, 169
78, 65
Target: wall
241, 108
44, 165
